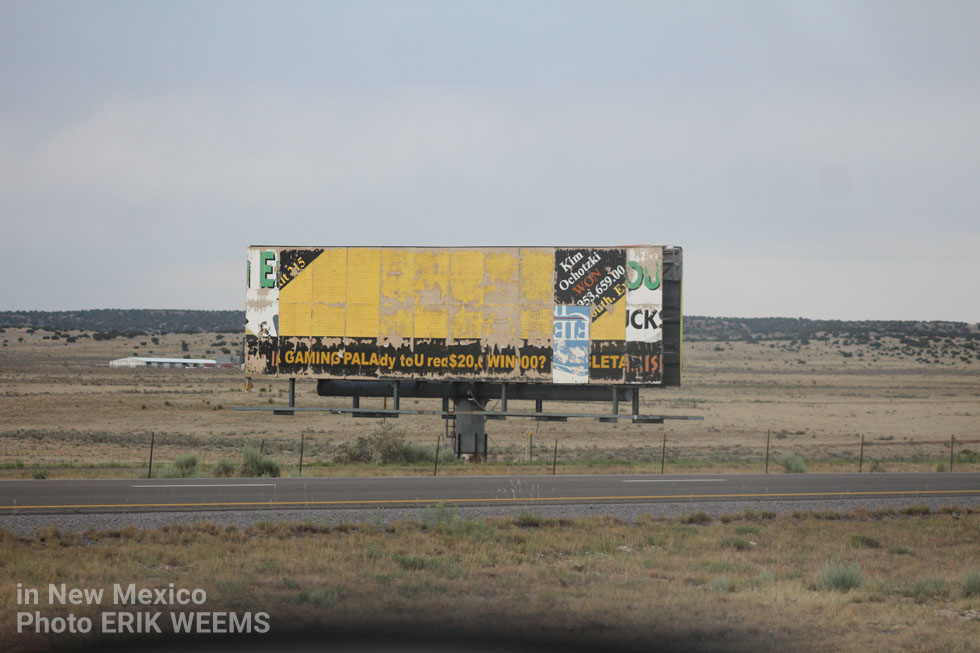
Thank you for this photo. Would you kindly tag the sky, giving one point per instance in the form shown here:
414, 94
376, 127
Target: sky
814, 159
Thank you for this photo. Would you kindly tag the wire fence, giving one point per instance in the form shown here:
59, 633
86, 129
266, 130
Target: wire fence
158, 453
862, 455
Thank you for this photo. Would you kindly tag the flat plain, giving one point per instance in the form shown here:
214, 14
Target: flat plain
66, 413
888, 579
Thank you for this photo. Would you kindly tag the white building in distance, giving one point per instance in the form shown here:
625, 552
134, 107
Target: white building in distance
143, 361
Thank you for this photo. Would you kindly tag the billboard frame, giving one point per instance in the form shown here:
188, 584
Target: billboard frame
471, 396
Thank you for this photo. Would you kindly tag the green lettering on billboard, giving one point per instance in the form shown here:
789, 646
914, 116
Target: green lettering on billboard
266, 270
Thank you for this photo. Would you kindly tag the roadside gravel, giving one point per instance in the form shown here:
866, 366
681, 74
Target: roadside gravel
27, 525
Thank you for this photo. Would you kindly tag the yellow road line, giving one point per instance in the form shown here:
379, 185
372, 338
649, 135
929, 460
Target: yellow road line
213, 504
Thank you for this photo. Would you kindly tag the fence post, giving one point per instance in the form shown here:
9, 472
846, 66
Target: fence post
663, 453
530, 446
435, 472
861, 459
262, 447
950, 453
554, 462
768, 436
446, 424
149, 473
302, 441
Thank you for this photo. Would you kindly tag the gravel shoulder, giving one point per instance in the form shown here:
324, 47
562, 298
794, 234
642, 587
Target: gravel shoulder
27, 525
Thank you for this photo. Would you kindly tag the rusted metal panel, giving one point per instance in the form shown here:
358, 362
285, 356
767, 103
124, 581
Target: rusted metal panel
262, 292
537, 307
607, 360
644, 320
567, 315
261, 311
261, 355
501, 312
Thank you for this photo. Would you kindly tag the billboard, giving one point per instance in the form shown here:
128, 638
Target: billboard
564, 315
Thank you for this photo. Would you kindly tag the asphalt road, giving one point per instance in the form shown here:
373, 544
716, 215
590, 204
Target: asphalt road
22, 497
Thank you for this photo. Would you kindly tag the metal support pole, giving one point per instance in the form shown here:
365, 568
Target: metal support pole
292, 393
768, 437
302, 441
262, 447
554, 462
861, 459
663, 454
394, 390
357, 402
636, 402
149, 473
950, 453
538, 406
615, 406
503, 397
530, 445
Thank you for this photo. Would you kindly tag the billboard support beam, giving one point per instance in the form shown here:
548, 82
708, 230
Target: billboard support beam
503, 404
615, 408
292, 399
545, 417
481, 391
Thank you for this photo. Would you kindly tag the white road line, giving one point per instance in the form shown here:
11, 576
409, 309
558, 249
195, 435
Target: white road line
675, 480
210, 485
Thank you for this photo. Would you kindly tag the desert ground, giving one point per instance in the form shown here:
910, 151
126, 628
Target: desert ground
888, 579
66, 413
815, 581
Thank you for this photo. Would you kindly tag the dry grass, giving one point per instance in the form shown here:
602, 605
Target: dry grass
65, 410
593, 580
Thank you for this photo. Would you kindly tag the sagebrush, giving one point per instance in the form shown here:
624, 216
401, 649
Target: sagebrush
386, 446
255, 463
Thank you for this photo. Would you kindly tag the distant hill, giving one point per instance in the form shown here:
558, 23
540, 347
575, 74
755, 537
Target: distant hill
129, 320
696, 327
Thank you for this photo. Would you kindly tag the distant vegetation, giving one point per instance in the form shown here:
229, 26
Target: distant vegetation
696, 327
593, 582
387, 445
129, 321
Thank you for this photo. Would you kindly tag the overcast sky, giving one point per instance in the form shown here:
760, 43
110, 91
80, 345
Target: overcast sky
817, 159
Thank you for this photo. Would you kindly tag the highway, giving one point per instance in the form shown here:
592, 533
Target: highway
21, 497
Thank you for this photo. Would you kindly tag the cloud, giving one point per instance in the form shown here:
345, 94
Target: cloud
912, 288
786, 179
